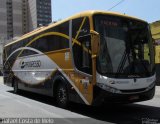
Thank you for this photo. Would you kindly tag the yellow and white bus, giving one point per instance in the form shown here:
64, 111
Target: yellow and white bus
92, 58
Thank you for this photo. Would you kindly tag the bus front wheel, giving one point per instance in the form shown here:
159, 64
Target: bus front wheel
62, 96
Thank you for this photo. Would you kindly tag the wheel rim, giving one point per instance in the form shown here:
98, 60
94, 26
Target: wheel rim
62, 96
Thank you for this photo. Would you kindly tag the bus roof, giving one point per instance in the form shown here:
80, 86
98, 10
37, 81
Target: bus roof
82, 14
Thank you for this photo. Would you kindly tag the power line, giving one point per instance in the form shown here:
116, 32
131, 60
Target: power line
116, 5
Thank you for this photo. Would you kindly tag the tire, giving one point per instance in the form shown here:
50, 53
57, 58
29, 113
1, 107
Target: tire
62, 96
15, 83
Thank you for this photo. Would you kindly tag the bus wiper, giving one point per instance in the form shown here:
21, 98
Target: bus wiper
122, 63
147, 71
124, 58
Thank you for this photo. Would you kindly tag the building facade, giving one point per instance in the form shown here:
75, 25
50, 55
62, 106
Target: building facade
39, 13
3, 20
155, 29
11, 19
18, 17
21, 16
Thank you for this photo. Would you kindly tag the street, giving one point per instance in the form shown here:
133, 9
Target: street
29, 105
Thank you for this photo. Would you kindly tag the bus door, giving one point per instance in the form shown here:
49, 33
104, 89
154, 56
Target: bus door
81, 49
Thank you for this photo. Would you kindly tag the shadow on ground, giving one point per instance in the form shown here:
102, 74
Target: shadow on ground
121, 114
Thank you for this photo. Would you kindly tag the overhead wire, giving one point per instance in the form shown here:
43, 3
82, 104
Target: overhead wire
116, 5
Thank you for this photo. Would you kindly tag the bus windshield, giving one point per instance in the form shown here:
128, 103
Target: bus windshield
125, 47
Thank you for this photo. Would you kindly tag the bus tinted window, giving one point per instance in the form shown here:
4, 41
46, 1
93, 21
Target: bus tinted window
81, 51
50, 43
27, 53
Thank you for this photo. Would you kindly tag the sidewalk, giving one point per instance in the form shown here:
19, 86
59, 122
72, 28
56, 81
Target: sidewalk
1, 80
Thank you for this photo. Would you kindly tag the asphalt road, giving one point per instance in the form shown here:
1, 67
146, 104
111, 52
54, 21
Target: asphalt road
28, 105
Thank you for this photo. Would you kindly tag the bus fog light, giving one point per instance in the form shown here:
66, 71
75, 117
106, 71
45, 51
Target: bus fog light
108, 88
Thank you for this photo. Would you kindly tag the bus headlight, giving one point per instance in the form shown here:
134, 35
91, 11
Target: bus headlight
151, 86
108, 88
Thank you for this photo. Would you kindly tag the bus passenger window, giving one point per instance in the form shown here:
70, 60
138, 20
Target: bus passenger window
86, 65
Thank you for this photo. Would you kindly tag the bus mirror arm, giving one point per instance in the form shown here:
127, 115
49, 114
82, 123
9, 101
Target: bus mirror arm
95, 41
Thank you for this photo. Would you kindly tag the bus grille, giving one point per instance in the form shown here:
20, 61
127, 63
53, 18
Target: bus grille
133, 91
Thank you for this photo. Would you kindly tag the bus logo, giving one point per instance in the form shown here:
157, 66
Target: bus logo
22, 65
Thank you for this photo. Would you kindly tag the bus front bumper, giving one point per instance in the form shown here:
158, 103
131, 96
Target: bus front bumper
102, 96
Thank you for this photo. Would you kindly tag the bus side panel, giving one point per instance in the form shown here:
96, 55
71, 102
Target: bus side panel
34, 60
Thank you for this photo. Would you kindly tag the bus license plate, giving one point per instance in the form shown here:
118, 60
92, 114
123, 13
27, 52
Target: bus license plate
133, 98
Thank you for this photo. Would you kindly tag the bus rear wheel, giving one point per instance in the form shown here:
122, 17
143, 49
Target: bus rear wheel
62, 96
15, 86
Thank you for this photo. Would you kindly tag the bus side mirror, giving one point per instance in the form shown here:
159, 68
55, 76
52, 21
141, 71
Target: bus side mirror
95, 41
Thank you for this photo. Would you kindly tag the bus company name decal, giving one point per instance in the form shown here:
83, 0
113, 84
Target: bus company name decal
30, 64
